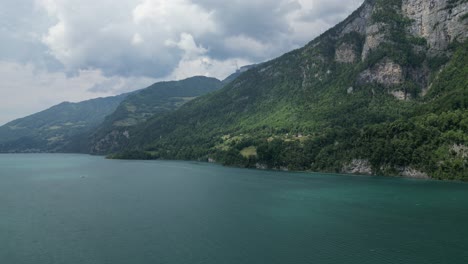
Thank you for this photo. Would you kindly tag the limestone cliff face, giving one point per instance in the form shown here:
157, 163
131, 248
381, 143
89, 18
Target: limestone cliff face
360, 22
374, 37
440, 22
358, 166
346, 53
434, 23
386, 72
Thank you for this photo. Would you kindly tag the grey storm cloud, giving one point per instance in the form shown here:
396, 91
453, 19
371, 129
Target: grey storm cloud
21, 26
139, 38
331, 12
262, 20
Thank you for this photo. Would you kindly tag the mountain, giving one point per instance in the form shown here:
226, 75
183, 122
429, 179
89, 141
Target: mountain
74, 127
54, 129
140, 106
383, 92
241, 70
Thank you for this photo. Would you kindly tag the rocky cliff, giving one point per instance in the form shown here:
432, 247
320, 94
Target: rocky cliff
427, 27
440, 22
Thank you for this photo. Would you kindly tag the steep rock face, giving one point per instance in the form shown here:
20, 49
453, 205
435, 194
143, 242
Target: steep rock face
400, 95
440, 22
360, 22
374, 37
430, 27
413, 173
460, 150
358, 166
386, 72
346, 53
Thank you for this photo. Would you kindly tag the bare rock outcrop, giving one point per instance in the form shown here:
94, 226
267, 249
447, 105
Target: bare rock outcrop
438, 21
385, 72
374, 37
400, 95
413, 173
359, 23
346, 53
460, 150
358, 166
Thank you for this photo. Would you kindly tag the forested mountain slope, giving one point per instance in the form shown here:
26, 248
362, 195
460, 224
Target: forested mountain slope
157, 99
383, 92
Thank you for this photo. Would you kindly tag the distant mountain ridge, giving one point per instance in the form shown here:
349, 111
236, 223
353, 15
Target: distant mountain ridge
53, 129
94, 126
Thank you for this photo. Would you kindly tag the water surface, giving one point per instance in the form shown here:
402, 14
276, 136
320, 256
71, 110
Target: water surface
78, 209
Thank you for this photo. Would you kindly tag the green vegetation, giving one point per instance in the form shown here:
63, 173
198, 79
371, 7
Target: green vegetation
464, 17
159, 98
304, 111
140, 106
453, 3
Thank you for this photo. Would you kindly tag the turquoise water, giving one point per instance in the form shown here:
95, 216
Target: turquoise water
69, 209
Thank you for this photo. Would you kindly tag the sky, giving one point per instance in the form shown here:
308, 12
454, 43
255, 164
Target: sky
72, 50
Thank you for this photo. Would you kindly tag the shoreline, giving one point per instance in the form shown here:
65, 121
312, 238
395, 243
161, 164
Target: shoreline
240, 167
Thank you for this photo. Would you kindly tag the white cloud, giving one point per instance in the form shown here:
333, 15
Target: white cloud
137, 39
196, 62
122, 37
188, 45
129, 37
244, 44
49, 5
174, 16
57, 42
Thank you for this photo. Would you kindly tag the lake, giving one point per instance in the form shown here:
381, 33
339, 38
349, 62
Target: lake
79, 209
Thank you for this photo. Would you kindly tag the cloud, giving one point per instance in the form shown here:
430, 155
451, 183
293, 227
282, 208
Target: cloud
137, 39
188, 45
57, 50
129, 37
195, 61
174, 16
331, 12
102, 35
246, 46
21, 27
